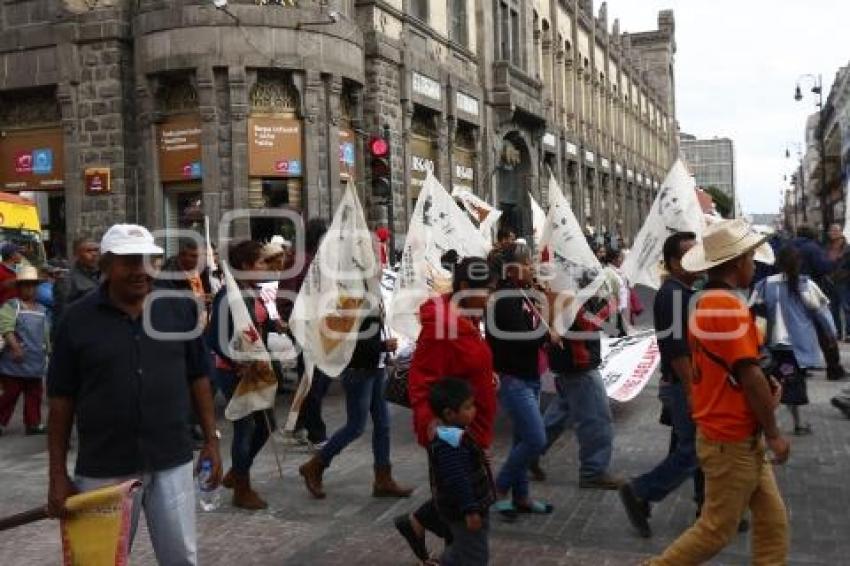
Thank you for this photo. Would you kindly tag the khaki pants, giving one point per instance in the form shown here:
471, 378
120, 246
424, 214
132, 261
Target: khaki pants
737, 477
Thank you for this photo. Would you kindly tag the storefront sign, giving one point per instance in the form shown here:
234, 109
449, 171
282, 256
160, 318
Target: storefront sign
31, 160
427, 87
618, 168
604, 162
422, 159
275, 147
180, 148
97, 180
639, 178
347, 153
463, 177
589, 157
467, 103
549, 140
629, 173
572, 148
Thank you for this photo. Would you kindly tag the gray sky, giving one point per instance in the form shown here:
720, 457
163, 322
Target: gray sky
736, 67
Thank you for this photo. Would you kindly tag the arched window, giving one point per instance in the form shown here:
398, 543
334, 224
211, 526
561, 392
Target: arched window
459, 30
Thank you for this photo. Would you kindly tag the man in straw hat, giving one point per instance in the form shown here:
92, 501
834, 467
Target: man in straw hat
126, 365
733, 405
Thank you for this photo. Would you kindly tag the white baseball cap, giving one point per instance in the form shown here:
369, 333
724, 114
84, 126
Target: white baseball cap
129, 239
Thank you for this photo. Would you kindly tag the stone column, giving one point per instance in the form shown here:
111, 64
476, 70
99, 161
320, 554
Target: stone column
148, 157
334, 114
211, 163
314, 199
240, 106
444, 138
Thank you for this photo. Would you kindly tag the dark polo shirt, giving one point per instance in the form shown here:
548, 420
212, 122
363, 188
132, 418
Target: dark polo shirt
130, 389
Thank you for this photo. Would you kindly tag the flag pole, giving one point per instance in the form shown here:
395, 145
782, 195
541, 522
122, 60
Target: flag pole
274, 448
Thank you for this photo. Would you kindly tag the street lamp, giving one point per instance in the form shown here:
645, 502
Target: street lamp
817, 88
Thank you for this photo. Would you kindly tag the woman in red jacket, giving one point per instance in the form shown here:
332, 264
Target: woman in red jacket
450, 344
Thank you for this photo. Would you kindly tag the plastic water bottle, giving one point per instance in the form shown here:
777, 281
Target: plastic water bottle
209, 497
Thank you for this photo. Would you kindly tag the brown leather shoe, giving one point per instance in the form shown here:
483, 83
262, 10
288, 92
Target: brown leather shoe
244, 497
385, 485
227, 480
312, 472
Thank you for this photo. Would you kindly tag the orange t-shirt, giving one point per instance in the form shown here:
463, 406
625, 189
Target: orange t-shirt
722, 331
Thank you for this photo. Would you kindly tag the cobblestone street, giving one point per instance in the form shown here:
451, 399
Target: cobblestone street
350, 527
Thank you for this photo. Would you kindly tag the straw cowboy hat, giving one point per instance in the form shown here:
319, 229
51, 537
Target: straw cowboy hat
722, 242
28, 274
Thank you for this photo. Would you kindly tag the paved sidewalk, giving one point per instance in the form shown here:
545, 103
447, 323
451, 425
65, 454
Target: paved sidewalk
351, 528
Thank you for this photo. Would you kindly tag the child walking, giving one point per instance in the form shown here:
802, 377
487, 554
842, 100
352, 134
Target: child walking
461, 480
23, 360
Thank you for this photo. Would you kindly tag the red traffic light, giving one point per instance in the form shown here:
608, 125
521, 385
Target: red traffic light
378, 147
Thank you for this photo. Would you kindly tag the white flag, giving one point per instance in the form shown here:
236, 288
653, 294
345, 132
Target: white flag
437, 226
485, 214
569, 264
675, 209
339, 290
257, 381
538, 221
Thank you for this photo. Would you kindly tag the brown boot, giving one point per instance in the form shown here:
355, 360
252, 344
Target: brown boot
385, 485
227, 480
312, 472
243, 496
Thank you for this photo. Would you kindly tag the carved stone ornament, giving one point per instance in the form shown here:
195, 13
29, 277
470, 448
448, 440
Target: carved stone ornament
29, 108
273, 95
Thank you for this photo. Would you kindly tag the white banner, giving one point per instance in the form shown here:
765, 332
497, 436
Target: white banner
571, 265
627, 366
847, 209
437, 226
336, 292
538, 221
483, 213
675, 209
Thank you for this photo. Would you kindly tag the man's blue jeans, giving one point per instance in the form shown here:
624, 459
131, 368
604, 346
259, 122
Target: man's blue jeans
364, 394
520, 398
681, 463
582, 399
250, 433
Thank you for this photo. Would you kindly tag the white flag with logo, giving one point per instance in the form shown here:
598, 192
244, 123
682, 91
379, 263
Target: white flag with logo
339, 290
569, 265
538, 221
437, 226
675, 209
485, 214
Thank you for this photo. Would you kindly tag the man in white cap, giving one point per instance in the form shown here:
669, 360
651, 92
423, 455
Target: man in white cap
126, 367
733, 405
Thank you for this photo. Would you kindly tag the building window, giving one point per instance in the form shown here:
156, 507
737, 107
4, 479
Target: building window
459, 32
419, 9
516, 42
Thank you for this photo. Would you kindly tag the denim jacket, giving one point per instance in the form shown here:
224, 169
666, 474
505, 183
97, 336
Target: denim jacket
793, 321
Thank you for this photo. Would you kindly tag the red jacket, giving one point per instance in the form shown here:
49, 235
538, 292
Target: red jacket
451, 346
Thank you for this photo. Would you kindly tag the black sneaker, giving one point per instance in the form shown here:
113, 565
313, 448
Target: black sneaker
602, 481
38, 429
636, 509
417, 544
842, 404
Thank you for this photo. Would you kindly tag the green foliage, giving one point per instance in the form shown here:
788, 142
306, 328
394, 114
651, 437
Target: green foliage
722, 202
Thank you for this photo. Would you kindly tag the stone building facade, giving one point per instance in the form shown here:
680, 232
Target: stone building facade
166, 111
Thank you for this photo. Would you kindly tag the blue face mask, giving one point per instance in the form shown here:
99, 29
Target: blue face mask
451, 435
16, 267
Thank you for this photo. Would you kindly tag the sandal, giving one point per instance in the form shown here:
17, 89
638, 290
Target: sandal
506, 508
535, 507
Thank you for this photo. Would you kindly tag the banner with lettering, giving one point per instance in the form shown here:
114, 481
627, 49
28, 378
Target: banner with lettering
97, 529
437, 226
675, 209
627, 365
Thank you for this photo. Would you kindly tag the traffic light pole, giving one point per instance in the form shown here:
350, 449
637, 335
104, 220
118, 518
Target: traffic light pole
390, 204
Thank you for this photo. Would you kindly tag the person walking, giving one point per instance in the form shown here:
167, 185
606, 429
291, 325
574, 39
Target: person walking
670, 313
250, 433
450, 344
794, 308
129, 391
575, 359
733, 406
363, 381
83, 277
838, 292
516, 335
23, 361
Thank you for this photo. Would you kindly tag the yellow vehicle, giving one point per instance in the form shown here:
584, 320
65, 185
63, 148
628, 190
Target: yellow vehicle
19, 224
